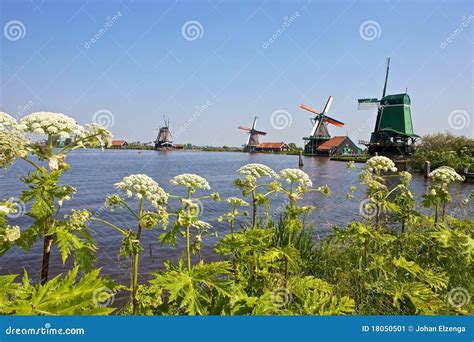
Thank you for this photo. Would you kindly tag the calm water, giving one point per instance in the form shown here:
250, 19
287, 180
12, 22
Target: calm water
93, 173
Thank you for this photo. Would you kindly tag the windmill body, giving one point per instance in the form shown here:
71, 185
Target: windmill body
163, 140
393, 134
253, 139
319, 133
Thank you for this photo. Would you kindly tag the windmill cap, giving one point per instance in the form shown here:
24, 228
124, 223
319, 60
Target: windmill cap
396, 99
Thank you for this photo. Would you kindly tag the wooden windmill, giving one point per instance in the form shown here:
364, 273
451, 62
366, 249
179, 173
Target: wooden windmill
393, 133
252, 141
163, 140
319, 133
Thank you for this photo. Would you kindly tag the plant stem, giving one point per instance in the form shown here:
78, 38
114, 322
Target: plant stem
188, 249
135, 264
254, 211
188, 241
48, 241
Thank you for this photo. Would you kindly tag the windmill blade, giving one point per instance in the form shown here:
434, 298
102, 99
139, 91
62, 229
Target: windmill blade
309, 109
365, 104
313, 130
260, 132
334, 121
254, 123
245, 128
328, 104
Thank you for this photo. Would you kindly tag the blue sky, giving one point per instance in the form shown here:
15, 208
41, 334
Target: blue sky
143, 64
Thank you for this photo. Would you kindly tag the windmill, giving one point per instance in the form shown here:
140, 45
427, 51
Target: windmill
252, 142
163, 140
393, 133
319, 133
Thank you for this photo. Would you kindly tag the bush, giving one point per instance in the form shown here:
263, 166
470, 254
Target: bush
445, 149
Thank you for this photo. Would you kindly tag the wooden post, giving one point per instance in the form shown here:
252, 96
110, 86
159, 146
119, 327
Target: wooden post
427, 168
300, 161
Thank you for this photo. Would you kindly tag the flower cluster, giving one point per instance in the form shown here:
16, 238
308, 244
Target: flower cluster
11, 234
190, 180
236, 202
78, 218
143, 187
296, 176
380, 163
446, 175
48, 123
101, 136
12, 141
6, 121
257, 171
8, 207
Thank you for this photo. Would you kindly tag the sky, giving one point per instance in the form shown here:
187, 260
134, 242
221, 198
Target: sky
210, 66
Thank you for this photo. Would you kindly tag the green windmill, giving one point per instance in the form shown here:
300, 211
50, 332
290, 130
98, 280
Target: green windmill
393, 134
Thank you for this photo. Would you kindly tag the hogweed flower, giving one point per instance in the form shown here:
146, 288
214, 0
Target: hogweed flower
257, 170
11, 234
296, 176
102, 137
48, 123
7, 122
13, 142
446, 175
190, 181
379, 164
8, 207
236, 202
142, 187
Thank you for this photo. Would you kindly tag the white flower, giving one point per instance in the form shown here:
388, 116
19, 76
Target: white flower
380, 163
12, 233
7, 121
257, 171
41, 123
102, 136
190, 180
298, 176
237, 202
446, 175
145, 187
4, 210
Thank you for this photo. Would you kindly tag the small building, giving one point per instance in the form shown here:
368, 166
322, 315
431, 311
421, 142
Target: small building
119, 144
272, 147
337, 146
